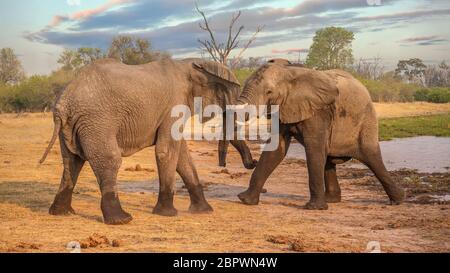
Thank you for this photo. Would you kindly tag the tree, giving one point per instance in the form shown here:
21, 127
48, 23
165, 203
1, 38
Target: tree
74, 59
443, 65
11, 71
372, 69
220, 51
411, 70
437, 76
88, 55
70, 60
133, 50
331, 48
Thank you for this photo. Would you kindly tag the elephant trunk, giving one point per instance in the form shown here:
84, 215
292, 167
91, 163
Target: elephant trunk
247, 96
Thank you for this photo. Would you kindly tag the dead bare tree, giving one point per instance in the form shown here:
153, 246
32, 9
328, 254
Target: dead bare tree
220, 51
370, 68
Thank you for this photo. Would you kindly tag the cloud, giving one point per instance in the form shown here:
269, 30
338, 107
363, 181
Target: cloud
290, 51
73, 2
423, 40
149, 19
85, 14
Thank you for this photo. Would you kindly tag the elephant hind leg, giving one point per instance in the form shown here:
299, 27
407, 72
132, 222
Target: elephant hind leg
371, 156
188, 173
332, 188
73, 164
105, 161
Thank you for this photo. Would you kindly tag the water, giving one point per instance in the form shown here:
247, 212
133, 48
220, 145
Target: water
426, 154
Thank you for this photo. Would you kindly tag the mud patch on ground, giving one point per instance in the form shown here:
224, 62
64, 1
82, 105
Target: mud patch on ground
421, 188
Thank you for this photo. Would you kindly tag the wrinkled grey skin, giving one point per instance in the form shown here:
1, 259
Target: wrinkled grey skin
331, 114
112, 110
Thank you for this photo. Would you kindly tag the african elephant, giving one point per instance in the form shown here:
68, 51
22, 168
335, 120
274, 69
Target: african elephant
331, 114
112, 110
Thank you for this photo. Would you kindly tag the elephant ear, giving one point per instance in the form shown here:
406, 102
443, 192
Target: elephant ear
217, 70
308, 91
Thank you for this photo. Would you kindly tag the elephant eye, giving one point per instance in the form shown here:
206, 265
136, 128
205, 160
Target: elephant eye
269, 92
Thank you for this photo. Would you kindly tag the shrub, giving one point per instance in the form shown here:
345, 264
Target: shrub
436, 95
439, 95
243, 74
389, 89
34, 94
422, 94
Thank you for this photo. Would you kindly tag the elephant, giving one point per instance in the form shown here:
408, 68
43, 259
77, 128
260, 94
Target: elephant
331, 114
112, 110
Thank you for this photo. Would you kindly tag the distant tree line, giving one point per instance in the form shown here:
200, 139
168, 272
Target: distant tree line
412, 80
37, 93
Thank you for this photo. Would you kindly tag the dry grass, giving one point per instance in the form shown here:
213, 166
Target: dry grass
27, 190
395, 110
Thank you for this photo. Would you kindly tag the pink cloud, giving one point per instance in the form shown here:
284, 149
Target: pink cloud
289, 51
57, 19
84, 14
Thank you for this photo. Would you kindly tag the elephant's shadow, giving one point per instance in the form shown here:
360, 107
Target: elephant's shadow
223, 192
38, 196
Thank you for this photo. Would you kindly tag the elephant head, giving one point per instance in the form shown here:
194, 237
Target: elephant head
297, 90
217, 85
213, 82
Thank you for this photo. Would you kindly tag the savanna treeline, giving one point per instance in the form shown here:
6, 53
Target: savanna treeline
412, 80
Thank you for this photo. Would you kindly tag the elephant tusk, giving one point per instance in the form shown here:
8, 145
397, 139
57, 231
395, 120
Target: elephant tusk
240, 123
240, 106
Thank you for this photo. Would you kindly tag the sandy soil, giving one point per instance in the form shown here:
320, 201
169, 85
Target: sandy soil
278, 224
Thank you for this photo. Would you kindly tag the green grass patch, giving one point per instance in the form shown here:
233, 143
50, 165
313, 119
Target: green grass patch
436, 125
243, 74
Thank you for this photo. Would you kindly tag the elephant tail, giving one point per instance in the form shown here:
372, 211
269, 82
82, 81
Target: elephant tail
57, 128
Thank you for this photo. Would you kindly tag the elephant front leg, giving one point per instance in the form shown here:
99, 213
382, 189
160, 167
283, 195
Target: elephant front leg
316, 158
223, 149
188, 173
332, 188
266, 165
246, 155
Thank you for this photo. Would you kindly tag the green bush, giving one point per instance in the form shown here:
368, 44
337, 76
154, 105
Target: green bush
439, 95
435, 95
422, 94
34, 94
243, 74
389, 89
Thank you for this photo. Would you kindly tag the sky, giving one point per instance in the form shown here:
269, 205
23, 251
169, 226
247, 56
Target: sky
39, 30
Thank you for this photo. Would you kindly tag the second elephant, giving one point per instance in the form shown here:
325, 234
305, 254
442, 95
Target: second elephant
331, 114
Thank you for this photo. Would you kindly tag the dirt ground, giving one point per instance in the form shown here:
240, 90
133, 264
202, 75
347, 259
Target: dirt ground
278, 224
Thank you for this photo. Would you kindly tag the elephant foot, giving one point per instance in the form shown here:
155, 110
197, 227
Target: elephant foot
316, 205
251, 165
62, 203
113, 214
248, 198
333, 197
119, 218
398, 197
202, 207
56, 209
164, 210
